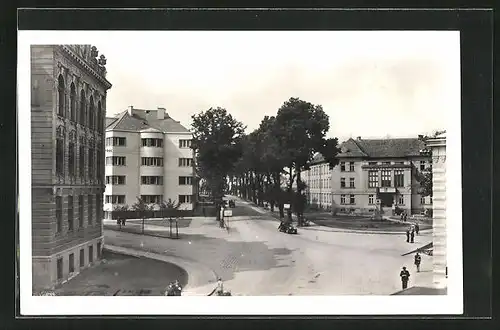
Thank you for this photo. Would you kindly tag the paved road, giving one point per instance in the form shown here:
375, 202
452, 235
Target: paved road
253, 258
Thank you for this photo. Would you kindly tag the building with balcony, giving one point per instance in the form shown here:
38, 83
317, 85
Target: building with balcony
68, 104
148, 156
380, 172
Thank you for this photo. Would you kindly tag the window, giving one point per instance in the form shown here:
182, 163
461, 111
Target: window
59, 207
342, 199
185, 180
91, 254
80, 211
401, 200
72, 263
72, 103
82, 258
422, 200
71, 159
59, 268
342, 182
422, 165
60, 96
399, 178
82, 162
152, 161
83, 106
372, 179
90, 208
116, 160
185, 162
91, 113
386, 163
155, 180
342, 166
152, 199
70, 213
351, 166
116, 141
115, 179
184, 198
351, 199
91, 163
371, 199
184, 143
60, 156
386, 178
372, 163
400, 163
157, 143
98, 209
351, 182
115, 199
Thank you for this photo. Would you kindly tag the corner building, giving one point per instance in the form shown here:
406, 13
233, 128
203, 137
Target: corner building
148, 156
68, 104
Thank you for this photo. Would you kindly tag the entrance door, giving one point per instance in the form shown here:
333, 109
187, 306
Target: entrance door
386, 200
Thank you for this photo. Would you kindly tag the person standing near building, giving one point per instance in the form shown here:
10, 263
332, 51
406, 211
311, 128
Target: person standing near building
412, 235
417, 228
418, 259
408, 235
405, 277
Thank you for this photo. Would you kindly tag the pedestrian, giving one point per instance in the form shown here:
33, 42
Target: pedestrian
204, 212
412, 235
417, 228
402, 216
405, 217
418, 259
408, 235
220, 287
405, 277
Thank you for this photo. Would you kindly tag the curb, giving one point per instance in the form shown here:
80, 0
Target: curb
192, 268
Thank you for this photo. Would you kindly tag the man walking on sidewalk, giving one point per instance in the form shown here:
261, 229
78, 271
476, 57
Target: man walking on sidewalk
405, 277
408, 235
418, 259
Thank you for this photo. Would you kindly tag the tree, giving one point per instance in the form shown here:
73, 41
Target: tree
143, 210
120, 212
424, 179
300, 129
168, 210
216, 142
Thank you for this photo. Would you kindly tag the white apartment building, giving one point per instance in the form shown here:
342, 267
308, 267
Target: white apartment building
318, 180
148, 155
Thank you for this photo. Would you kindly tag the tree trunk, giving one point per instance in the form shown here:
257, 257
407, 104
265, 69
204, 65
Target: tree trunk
290, 185
298, 201
277, 195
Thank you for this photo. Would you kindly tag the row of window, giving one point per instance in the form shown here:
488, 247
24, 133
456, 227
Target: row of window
321, 198
320, 169
371, 200
71, 260
87, 114
146, 180
319, 183
91, 153
94, 202
385, 178
148, 199
146, 161
349, 166
344, 165
117, 141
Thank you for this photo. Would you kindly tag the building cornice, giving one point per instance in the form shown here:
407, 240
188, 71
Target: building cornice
87, 67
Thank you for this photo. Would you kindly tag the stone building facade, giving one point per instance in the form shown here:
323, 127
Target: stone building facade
437, 146
148, 156
68, 105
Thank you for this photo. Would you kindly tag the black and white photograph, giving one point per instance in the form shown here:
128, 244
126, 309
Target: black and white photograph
245, 172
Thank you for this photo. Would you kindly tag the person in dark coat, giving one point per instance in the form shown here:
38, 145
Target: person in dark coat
405, 217
418, 260
417, 228
408, 235
405, 277
412, 235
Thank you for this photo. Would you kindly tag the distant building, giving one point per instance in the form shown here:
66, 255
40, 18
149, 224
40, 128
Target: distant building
68, 104
439, 233
370, 171
318, 181
148, 155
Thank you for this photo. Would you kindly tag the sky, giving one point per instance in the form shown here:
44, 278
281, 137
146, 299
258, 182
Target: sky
372, 84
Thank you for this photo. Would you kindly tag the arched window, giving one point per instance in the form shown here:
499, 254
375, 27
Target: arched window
60, 98
91, 113
100, 117
82, 107
72, 103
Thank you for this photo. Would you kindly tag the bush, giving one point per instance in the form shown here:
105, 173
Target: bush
398, 210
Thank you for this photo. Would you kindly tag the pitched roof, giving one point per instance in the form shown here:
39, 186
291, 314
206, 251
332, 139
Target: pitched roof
382, 148
317, 158
145, 119
110, 120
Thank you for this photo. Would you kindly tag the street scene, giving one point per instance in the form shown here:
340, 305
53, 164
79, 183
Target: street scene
232, 176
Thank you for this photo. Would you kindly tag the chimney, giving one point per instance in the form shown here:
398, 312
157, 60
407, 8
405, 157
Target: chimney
161, 113
130, 109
